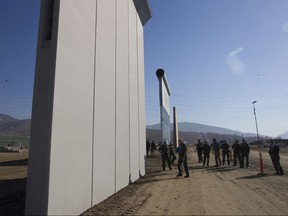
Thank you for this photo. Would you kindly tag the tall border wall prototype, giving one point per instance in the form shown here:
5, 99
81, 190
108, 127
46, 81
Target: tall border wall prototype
164, 94
88, 118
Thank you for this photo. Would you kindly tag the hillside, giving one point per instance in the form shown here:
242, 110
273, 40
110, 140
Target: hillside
192, 137
193, 131
200, 128
284, 135
9, 125
12, 126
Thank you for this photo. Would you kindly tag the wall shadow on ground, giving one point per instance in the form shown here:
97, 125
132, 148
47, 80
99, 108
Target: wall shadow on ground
12, 196
255, 176
21, 162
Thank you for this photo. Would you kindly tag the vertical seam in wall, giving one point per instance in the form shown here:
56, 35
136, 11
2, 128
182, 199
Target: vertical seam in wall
115, 177
93, 115
137, 50
129, 141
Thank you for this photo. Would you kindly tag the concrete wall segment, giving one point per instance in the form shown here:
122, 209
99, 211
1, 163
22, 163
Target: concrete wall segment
105, 119
72, 123
133, 83
164, 93
141, 96
143, 10
88, 118
39, 153
122, 95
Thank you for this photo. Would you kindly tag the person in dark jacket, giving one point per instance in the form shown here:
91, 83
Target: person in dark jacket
199, 151
225, 152
206, 149
165, 155
274, 154
148, 145
182, 159
236, 151
153, 147
244, 151
172, 155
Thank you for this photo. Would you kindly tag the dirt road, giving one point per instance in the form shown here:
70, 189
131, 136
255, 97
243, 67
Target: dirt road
210, 190
225, 190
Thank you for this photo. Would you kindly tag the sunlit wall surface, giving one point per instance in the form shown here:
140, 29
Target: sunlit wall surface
88, 118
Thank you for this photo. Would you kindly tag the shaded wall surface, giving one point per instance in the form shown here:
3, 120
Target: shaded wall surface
164, 94
88, 118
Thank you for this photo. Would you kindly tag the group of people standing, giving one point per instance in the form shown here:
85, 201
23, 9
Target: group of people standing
168, 156
150, 147
239, 152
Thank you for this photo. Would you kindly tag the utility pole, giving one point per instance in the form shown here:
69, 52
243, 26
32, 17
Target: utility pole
256, 121
260, 154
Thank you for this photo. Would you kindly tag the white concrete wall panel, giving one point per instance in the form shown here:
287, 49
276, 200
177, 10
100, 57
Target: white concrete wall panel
122, 95
71, 149
104, 131
133, 83
141, 96
88, 104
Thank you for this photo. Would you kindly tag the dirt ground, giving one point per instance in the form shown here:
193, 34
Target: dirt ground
225, 190
13, 176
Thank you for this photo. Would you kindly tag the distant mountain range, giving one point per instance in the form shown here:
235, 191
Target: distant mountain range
14, 127
284, 135
17, 127
200, 128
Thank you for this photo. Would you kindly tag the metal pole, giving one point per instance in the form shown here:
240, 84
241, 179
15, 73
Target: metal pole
256, 120
260, 154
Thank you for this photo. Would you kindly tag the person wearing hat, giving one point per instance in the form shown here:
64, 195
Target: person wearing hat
274, 154
182, 159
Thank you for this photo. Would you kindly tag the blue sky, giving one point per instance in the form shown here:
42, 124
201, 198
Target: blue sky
18, 37
219, 57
